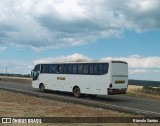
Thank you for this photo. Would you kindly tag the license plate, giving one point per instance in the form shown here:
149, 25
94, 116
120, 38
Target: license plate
119, 81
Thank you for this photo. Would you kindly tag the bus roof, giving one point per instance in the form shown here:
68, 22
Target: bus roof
79, 62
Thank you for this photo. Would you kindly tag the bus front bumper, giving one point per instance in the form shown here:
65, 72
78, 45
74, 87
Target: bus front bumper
117, 91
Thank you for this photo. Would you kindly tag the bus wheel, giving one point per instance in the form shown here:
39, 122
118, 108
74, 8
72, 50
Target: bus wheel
76, 92
42, 88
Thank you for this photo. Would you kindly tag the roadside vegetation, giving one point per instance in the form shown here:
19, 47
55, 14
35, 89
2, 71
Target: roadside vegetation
151, 90
144, 92
23, 80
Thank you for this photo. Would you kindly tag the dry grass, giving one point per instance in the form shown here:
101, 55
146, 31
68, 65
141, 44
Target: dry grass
16, 104
19, 105
133, 88
138, 91
16, 79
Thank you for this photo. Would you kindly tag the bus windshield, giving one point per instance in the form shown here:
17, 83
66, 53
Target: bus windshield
35, 72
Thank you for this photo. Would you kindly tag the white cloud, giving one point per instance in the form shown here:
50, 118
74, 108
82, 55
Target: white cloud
58, 23
15, 66
144, 71
135, 61
141, 67
69, 58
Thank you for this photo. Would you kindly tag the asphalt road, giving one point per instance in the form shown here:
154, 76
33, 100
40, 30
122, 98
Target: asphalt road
116, 102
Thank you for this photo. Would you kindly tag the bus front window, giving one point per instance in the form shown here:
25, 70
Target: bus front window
34, 74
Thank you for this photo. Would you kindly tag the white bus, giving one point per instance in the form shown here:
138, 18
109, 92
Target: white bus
92, 78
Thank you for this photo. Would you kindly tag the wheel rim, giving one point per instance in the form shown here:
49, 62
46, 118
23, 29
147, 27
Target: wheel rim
76, 92
42, 88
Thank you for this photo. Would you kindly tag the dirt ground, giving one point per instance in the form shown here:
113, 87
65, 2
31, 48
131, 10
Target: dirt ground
18, 105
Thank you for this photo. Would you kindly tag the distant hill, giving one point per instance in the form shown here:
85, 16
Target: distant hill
144, 83
16, 75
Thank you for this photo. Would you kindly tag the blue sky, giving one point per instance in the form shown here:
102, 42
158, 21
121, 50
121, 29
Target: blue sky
35, 31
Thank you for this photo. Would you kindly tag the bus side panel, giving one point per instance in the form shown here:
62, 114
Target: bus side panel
49, 81
35, 83
92, 84
98, 84
88, 84
63, 83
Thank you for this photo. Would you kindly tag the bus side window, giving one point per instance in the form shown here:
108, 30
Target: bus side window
50, 68
65, 68
91, 70
61, 69
95, 69
74, 70
85, 69
69, 68
105, 68
54, 68
58, 69
100, 69
80, 69
44, 68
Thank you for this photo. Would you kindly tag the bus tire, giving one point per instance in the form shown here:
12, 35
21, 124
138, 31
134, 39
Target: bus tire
42, 88
76, 92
